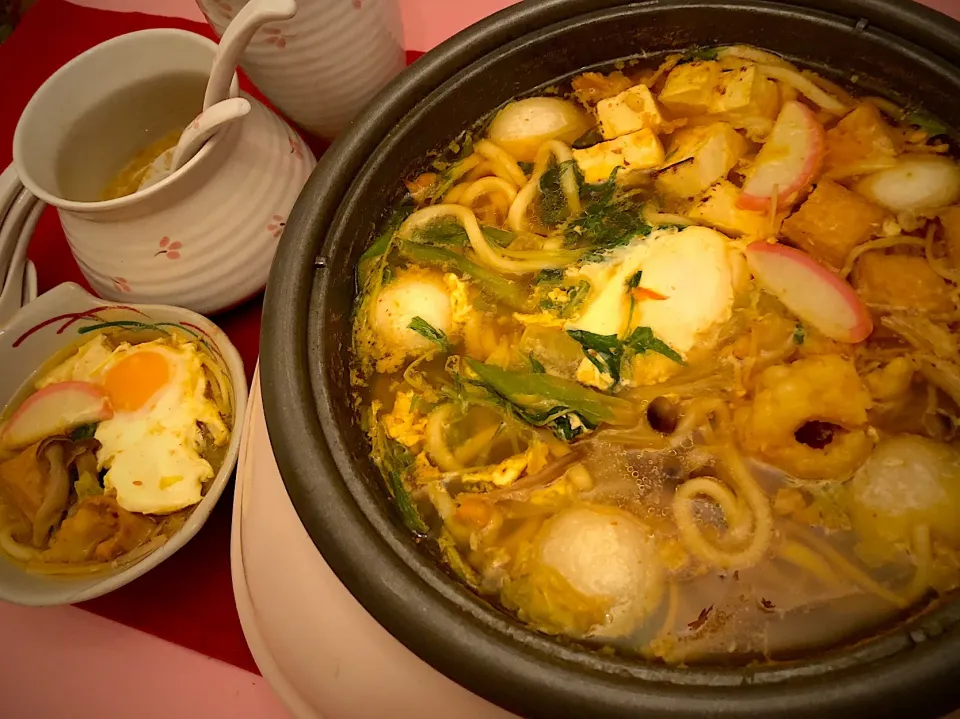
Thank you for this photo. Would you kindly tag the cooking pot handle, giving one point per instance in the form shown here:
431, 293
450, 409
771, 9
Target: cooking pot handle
19, 211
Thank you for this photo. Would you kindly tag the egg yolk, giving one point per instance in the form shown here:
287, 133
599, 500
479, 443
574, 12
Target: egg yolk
134, 380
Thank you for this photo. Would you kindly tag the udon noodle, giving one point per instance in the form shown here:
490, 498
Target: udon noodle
665, 360
107, 450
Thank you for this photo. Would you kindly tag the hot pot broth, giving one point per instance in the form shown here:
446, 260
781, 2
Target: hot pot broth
666, 361
107, 449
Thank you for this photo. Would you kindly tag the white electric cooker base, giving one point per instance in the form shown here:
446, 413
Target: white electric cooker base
323, 654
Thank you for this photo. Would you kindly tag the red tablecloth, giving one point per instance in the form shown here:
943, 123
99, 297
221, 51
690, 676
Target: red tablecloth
188, 599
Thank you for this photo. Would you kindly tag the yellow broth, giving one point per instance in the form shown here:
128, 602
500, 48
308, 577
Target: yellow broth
583, 378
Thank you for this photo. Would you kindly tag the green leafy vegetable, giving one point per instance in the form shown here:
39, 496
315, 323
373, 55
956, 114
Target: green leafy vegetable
546, 276
447, 179
500, 288
444, 231
634, 280
576, 295
701, 53
567, 429
527, 167
588, 139
605, 223
604, 351
380, 245
428, 331
447, 232
799, 334
541, 399
553, 203
536, 365
642, 340
394, 461
455, 560
501, 238
929, 124
84, 431
451, 172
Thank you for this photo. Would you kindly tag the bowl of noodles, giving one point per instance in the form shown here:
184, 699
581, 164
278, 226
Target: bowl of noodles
636, 387
119, 431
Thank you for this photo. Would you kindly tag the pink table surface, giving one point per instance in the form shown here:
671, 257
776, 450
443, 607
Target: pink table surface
64, 662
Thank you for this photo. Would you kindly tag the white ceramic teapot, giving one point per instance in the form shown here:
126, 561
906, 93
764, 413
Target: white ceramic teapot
324, 64
204, 237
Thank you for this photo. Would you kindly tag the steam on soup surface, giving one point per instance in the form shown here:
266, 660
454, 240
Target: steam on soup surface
668, 363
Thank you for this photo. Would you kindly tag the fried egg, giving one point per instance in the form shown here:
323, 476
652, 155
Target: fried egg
151, 447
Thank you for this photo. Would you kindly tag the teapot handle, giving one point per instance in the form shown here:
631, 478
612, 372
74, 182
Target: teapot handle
20, 210
235, 40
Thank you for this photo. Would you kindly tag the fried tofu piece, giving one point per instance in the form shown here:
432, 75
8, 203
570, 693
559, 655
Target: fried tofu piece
718, 208
950, 220
690, 87
756, 118
833, 221
707, 87
860, 143
900, 281
631, 110
699, 158
736, 89
591, 87
639, 150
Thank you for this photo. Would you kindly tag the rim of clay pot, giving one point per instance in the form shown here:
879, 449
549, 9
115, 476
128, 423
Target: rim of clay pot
340, 498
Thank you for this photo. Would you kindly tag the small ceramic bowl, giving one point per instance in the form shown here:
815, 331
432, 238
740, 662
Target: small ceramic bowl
66, 316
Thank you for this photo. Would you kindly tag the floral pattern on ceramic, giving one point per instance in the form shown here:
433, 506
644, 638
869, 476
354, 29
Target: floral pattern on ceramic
121, 284
304, 79
63, 318
168, 249
276, 225
296, 147
134, 248
275, 36
257, 180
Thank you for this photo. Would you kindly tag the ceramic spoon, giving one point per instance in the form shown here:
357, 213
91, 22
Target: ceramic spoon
234, 41
218, 107
206, 124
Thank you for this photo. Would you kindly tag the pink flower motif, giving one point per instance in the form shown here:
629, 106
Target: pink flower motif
169, 248
358, 4
225, 8
275, 36
121, 284
276, 225
295, 148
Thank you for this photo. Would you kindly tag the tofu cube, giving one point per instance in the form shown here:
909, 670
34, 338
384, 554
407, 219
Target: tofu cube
631, 110
832, 221
862, 139
735, 89
756, 118
639, 150
900, 281
699, 158
689, 88
718, 208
